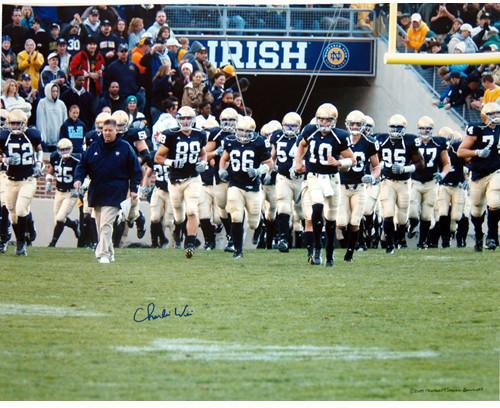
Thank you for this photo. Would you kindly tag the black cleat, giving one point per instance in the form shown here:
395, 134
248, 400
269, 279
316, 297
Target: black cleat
21, 249
329, 263
3, 247
491, 244
348, 255
140, 223
209, 246
316, 258
189, 251
283, 245
52, 244
445, 244
230, 245
76, 229
237, 254
389, 249
478, 247
421, 247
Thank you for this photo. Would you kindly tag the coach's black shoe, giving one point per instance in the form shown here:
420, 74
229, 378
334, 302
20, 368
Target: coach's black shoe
283, 245
21, 249
389, 249
348, 255
316, 258
140, 223
491, 244
478, 246
329, 263
237, 254
189, 251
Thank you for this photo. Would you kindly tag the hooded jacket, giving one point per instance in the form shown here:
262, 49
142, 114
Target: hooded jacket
416, 37
50, 115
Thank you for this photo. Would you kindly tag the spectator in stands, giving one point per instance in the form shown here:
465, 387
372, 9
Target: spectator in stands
40, 36
63, 55
9, 59
77, 95
108, 42
92, 23
227, 101
465, 36
50, 115
238, 101
160, 21
75, 35
196, 92
443, 16
137, 119
166, 120
455, 94
11, 98
455, 28
217, 88
120, 32
152, 61
105, 13
405, 21
135, 32
460, 68
173, 51
16, 31
143, 47
52, 73
475, 94
30, 61
163, 34
26, 91
469, 13
493, 41
184, 42
28, 16
55, 32
89, 63
484, 34
74, 129
198, 58
162, 89
127, 75
204, 115
111, 98
491, 90
415, 36
230, 73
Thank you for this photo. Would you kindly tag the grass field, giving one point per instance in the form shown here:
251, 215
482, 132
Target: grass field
414, 326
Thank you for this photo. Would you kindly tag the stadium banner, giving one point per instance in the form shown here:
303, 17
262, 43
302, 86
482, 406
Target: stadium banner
333, 56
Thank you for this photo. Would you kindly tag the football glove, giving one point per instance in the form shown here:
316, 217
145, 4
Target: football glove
464, 184
438, 177
14, 160
367, 179
201, 166
48, 187
223, 175
219, 151
267, 179
38, 169
483, 153
397, 168
74, 194
252, 173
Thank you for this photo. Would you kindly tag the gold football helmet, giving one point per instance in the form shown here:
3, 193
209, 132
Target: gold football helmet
17, 121
490, 113
245, 129
447, 133
355, 122
291, 124
326, 117
65, 148
425, 126
369, 126
228, 119
100, 119
397, 126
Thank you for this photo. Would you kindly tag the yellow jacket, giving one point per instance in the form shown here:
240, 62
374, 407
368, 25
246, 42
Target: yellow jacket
416, 38
30, 65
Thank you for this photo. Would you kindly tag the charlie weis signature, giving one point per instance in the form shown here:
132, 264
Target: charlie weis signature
149, 313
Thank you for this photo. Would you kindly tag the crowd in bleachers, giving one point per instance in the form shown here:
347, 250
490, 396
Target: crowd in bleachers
90, 59
457, 29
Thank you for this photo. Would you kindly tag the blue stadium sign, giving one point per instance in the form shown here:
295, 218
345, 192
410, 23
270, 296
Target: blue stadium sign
293, 56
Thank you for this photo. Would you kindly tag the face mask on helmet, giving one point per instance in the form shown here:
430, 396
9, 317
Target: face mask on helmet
425, 132
186, 122
65, 151
493, 118
244, 135
367, 130
354, 128
291, 130
396, 131
16, 127
325, 124
228, 125
122, 127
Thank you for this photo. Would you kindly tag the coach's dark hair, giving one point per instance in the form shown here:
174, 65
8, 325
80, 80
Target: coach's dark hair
111, 122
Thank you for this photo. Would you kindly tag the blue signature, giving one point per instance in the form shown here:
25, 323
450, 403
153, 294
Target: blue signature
152, 314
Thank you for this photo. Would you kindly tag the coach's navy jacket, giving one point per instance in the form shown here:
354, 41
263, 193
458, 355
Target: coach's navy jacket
113, 169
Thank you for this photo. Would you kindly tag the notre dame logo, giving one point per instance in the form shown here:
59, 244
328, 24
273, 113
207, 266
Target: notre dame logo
336, 56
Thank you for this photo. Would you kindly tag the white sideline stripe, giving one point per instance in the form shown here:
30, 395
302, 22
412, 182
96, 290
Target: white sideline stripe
15, 309
196, 349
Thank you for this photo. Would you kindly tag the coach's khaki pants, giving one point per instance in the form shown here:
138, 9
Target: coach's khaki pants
352, 202
185, 198
325, 189
104, 218
18, 196
395, 193
238, 200
63, 205
485, 191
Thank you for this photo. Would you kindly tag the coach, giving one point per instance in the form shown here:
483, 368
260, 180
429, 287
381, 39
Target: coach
113, 169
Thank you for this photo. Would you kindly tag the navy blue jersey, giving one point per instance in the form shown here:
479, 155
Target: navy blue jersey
486, 137
243, 156
74, 44
431, 152
90, 137
286, 150
64, 171
24, 145
217, 135
135, 135
396, 151
320, 147
74, 131
161, 174
456, 174
362, 150
185, 149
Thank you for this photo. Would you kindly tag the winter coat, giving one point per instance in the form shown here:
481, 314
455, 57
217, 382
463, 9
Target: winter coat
50, 115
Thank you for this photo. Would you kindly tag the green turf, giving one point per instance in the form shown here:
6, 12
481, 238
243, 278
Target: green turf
442, 301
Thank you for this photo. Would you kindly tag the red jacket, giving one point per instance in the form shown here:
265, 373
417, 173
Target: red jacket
80, 64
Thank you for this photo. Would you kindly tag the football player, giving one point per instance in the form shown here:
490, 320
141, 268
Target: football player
324, 145
215, 149
288, 189
246, 158
22, 148
480, 148
4, 213
352, 182
425, 181
183, 152
452, 190
137, 139
62, 167
400, 158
